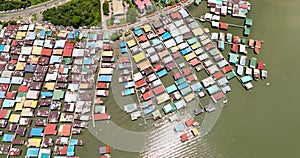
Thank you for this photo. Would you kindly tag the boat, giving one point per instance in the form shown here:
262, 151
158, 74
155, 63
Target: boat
248, 85
253, 63
221, 45
248, 71
222, 36
264, 74
128, 91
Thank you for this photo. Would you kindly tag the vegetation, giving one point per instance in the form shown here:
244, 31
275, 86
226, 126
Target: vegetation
131, 15
5, 23
131, 5
115, 36
106, 8
18, 4
75, 13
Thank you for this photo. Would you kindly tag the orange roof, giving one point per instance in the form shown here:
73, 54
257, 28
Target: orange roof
218, 75
64, 150
66, 131
68, 52
23, 89
143, 38
46, 52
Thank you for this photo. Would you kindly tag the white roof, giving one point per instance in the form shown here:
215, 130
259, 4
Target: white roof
26, 50
208, 81
137, 76
60, 44
214, 36
170, 43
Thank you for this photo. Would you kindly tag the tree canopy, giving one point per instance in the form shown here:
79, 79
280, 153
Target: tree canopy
75, 13
18, 4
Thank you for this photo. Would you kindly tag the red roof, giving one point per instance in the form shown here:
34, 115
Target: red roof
234, 47
46, 52
102, 85
218, 75
147, 95
223, 26
194, 61
107, 47
176, 16
124, 60
67, 52
218, 96
257, 44
176, 75
158, 67
3, 113
256, 50
69, 45
209, 46
236, 39
140, 83
23, 89
64, 150
50, 129
227, 69
189, 122
187, 71
184, 137
10, 95
158, 90
3, 87
260, 66
191, 78
98, 117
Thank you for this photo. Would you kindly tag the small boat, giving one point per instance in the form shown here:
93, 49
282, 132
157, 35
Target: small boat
256, 74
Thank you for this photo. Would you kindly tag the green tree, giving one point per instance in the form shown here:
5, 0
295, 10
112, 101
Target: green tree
131, 15
106, 8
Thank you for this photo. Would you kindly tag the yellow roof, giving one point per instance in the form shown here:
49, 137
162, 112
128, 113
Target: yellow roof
190, 56
107, 53
118, 8
138, 57
196, 45
198, 31
19, 106
49, 86
14, 118
26, 112
195, 131
35, 142
20, 66
131, 43
84, 85
30, 103
34, 59
147, 28
20, 35
36, 50
174, 49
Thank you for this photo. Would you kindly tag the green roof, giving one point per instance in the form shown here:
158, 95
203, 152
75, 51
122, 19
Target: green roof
230, 75
253, 63
169, 108
248, 22
58, 95
247, 31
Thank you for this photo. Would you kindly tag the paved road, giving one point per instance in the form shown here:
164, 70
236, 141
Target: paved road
32, 9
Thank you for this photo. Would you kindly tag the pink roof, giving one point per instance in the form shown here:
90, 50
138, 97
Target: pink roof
3, 113
189, 122
148, 2
147, 95
260, 65
98, 117
158, 90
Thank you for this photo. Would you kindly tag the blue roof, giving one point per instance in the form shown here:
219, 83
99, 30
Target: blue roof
2, 94
183, 85
74, 141
138, 32
166, 36
46, 94
148, 110
156, 41
162, 73
30, 68
73, 34
186, 50
171, 88
32, 152
123, 50
1, 48
192, 40
246, 79
7, 137
36, 132
122, 44
70, 151
180, 127
87, 61
42, 34
104, 78
4, 80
